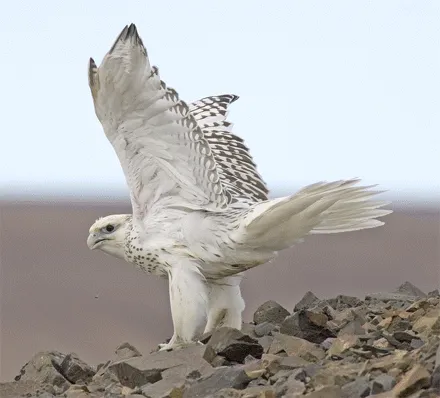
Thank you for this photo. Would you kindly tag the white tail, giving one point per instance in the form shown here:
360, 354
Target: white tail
321, 208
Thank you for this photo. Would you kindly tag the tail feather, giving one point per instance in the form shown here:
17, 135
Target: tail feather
321, 208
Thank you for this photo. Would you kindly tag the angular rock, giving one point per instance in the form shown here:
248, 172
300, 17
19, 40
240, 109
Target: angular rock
290, 387
307, 325
292, 345
264, 329
258, 392
126, 351
382, 383
75, 370
416, 343
342, 302
309, 300
274, 364
415, 379
359, 388
165, 388
353, 327
271, 312
429, 323
18, 388
44, 368
327, 343
411, 290
342, 344
265, 342
386, 297
233, 377
138, 371
404, 335
233, 345
325, 392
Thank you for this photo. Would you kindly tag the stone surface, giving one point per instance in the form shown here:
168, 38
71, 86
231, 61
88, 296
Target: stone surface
309, 300
292, 345
234, 377
309, 325
126, 351
75, 370
138, 371
233, 345
44, 368
411, 290
264, 329
416, 378
359, 388
337, 347
271, 312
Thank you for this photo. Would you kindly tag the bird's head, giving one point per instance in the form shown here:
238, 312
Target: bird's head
108, 234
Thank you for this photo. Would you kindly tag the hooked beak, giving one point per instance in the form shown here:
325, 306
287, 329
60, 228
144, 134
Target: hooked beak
93, 241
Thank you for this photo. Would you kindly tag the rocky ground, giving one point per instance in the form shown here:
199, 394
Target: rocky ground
384, 346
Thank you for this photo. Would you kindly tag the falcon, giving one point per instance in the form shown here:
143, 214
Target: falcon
201, 214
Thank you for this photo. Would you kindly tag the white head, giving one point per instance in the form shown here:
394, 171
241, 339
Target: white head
108, 234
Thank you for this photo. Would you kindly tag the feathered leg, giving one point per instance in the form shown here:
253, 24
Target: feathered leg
188, 299
225, 303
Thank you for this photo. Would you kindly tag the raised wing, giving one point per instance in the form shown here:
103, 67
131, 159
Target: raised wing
161, 147
236, 168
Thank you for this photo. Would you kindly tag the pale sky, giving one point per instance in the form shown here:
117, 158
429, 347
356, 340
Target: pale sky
328, 90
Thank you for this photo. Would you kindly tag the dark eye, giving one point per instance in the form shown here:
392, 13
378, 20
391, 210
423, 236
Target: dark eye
109, 228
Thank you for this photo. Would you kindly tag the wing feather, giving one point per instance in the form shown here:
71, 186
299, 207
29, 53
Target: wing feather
160, 145
236, 167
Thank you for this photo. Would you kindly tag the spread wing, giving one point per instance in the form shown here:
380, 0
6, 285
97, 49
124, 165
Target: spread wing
161, 147
236, 168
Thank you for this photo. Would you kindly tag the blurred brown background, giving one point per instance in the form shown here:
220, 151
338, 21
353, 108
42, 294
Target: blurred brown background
57, 294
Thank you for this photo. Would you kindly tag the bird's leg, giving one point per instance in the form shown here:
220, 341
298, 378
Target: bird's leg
188, 299
225, 304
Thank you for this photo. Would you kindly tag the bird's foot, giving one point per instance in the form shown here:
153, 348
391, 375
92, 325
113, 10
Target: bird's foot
177, 346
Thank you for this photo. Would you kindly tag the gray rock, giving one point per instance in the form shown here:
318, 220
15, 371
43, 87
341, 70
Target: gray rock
308, 325
138, 371
165, 388
352, 327
44, 368
271, 312
327, 343
342, 302
411, 290
359, 388
233, 377
265, 342
435, 378
386, 297
75, 370
18, 388
286, 363
434, 293
437, 356
264, 329
416, 343
290, 387
233, 345
404, 335
325, 392
295, 346
309, 300
126, 351
382, 383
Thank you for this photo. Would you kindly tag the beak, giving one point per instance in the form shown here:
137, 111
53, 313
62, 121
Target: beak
91, 241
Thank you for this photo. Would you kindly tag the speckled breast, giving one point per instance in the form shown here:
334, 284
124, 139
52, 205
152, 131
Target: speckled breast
147, 260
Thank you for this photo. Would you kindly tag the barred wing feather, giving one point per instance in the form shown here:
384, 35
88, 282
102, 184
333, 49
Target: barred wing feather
236, 168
